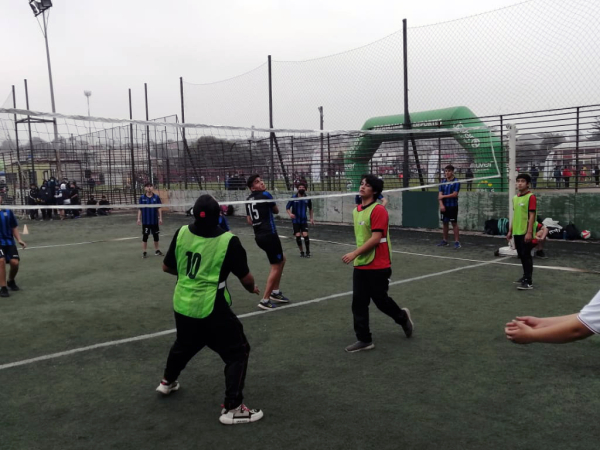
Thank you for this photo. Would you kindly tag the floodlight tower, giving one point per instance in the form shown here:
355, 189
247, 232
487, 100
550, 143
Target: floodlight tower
88, 94
40, 7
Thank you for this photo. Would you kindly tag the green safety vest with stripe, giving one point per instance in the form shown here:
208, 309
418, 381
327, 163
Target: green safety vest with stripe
521, 216
199, 262
362, 231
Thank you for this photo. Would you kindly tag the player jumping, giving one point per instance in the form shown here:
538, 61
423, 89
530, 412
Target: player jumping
260, 216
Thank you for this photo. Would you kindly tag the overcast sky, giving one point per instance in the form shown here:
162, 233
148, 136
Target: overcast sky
108, 46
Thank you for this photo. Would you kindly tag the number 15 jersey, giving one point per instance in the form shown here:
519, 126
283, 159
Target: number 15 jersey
261, 213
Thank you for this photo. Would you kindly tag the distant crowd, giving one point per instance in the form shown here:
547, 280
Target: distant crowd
67, 192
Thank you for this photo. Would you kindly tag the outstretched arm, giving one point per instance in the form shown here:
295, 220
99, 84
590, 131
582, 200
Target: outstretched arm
560, 332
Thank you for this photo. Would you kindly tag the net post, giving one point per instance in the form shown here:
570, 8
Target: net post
512, 167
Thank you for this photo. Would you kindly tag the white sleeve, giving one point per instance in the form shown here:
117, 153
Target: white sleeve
590, 314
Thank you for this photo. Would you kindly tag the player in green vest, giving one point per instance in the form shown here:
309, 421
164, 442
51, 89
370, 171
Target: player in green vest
202, 255
522, 229
372, 266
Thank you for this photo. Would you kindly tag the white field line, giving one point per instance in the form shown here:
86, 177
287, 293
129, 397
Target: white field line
498, 261
242, 316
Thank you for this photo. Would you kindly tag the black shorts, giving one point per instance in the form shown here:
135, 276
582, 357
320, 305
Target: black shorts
148, 230
9, 252
450, 215
271, 245
300, 227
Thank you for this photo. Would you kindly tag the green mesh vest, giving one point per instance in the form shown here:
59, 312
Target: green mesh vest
362, 231
199, 262
521, 216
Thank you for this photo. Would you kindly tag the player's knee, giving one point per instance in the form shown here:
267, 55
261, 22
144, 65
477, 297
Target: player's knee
155, 237
144, 238
14, 262
305, 235
298, 239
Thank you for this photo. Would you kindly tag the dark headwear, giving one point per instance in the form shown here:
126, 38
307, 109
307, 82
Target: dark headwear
206, 212
524, 176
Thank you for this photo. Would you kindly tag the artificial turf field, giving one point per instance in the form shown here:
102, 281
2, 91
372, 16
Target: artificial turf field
458, 383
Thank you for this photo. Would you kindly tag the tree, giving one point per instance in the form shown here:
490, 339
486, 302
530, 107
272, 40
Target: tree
594, 133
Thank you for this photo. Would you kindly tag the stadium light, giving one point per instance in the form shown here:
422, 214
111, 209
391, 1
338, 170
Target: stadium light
40, 7
88, 94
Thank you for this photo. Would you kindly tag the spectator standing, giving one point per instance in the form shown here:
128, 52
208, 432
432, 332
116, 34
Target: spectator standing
535, 173
567, 174
469, 176
597, 175
557, 174
44, 196
74, 197
59, 201
33, 199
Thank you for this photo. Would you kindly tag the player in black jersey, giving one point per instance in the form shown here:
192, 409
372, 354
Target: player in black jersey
260, 216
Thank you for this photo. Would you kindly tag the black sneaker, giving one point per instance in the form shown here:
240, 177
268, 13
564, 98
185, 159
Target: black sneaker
158, 253
301, 254
279, 297
540, 254
4, 292
13, 286
266, 305
144, 255
308, 254
525, 286
519, 281
408, 325
359, 346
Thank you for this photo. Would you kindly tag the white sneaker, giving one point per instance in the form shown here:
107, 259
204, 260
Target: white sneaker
166, 388
241, 414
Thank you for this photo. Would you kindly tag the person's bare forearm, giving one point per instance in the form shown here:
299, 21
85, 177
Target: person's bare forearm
248, 282
369, 245
562, 332
549, 321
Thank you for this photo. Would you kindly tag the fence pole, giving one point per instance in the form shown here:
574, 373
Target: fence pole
20, 174
133, 180
150, 176
33, 177
271, 126
577, 171
512, 167
406, 125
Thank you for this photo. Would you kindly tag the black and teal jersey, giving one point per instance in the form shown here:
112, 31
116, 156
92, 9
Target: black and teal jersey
261, 214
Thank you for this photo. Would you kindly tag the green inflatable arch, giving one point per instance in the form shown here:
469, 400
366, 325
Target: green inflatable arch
483, 145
